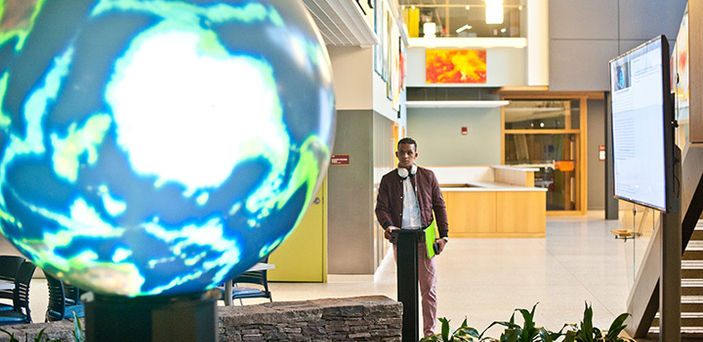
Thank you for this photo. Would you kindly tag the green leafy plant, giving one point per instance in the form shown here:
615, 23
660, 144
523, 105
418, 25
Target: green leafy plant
36, 339
528, 332
78, 335
588, 333
463, 334
12, 336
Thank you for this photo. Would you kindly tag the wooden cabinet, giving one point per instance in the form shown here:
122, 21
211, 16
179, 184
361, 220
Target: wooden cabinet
473, 212
494, 214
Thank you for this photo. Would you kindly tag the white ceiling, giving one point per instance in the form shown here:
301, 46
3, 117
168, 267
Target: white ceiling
341, 22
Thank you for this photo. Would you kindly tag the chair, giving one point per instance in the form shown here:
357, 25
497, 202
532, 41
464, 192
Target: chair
63, 301
73, 294
20, 298
9, 265
259, 278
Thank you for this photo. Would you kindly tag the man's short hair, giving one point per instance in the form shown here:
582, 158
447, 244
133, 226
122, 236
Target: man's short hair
407, 140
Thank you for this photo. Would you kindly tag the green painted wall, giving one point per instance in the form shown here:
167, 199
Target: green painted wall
350, 193
439, 139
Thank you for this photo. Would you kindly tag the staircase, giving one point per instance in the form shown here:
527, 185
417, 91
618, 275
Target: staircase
691, 290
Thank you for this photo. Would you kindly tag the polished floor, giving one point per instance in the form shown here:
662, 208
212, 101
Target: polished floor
485, 279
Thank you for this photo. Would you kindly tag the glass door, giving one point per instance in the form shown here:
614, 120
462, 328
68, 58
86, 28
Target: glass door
547, 134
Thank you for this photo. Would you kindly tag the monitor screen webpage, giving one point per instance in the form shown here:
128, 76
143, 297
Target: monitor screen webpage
637, 83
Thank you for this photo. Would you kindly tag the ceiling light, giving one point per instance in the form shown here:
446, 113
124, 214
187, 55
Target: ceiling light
464, 28
494, 11
502, 30
429, 29
467, 7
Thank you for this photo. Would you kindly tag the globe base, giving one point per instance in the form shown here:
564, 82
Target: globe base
190, 317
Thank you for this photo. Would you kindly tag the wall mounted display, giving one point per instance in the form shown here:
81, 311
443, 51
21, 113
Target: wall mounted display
393, 77
386, 44
680, 65
398, 74
160, 147
642, 125
680, 82
455, 65
378, 11
388, 60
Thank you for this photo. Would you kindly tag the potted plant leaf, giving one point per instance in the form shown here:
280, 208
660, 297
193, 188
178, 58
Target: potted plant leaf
586, 332
463, 334
528, 332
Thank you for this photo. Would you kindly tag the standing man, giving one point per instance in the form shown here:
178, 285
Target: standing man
407, 196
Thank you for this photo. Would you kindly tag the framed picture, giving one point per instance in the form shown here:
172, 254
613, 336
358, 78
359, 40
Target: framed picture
378, 29
455, 66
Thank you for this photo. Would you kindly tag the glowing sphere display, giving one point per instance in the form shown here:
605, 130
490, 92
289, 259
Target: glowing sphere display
158, 147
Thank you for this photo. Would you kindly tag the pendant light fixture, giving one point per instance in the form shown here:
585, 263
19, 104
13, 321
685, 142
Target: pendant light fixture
494, 11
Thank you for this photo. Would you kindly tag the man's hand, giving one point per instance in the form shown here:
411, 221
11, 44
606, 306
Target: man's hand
387, 233
440, 243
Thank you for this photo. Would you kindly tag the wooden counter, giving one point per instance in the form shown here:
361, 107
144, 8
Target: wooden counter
495, 210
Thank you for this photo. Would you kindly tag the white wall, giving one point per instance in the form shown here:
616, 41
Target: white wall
381, 103
585, 35
357, 86
352, 70
439, 139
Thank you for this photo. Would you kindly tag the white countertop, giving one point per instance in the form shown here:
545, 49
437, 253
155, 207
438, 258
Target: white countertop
489, 186
508, 167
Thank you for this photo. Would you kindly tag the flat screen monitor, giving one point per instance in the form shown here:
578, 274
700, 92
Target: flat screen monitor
642, 124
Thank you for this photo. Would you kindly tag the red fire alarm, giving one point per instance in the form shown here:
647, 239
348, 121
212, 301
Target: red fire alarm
464, 130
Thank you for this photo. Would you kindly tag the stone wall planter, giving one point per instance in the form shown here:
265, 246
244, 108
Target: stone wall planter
372, 318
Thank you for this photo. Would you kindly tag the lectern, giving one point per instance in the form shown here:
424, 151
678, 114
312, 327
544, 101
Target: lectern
408, 240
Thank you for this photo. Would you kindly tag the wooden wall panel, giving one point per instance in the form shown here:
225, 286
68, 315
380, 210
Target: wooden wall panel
521, 212
470, 212
496, 214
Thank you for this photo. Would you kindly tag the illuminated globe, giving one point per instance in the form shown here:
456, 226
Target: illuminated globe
158, 147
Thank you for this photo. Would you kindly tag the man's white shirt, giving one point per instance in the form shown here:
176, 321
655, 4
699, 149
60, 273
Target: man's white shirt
411, 208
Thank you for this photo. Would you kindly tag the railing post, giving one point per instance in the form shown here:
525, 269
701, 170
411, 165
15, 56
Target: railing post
670, 281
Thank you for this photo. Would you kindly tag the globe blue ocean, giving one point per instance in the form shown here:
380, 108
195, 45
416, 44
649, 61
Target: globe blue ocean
154, 147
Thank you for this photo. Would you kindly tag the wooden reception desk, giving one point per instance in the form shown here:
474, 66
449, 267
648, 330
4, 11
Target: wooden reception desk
485, 202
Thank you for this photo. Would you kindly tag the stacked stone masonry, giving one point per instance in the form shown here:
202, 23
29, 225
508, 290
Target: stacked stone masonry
373, 318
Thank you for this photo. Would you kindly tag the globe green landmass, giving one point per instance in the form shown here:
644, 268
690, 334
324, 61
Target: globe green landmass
159, 147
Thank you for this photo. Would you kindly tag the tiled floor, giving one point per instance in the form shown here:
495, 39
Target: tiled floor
485, 279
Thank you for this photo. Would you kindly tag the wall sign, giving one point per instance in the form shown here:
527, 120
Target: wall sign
340, 159
601, 152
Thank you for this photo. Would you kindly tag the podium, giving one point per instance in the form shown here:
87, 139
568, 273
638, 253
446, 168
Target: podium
408, 292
